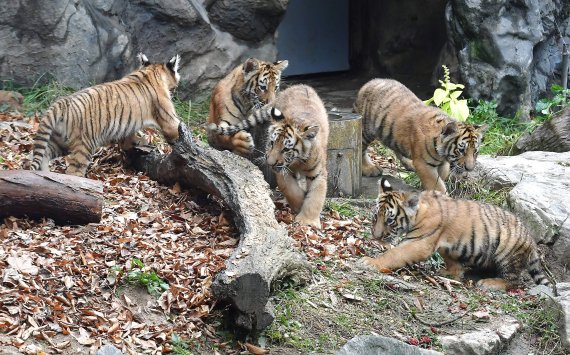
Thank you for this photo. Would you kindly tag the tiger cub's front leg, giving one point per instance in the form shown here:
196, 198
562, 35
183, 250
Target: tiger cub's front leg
429, 176
313, 202
409, 253
243, 143
290, 188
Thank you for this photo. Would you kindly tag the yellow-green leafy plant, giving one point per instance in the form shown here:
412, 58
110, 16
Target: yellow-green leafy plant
446, 98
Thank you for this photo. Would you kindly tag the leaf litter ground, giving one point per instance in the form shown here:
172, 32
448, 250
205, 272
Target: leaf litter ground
66, 290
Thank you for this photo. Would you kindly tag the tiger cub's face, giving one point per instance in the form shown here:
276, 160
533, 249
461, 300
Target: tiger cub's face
394, 213
460, 143
262, 80
288, 143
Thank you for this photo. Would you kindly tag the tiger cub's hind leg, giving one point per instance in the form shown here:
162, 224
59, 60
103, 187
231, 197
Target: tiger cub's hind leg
453, 268
406, 162
509, 277
369, 167
79, 159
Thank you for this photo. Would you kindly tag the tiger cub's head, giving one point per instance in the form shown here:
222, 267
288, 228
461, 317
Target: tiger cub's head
394, 213
167, 71
288, 143
459, 143
262, 80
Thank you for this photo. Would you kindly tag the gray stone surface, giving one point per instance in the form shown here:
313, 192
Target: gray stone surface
508, 49
488, 341
80, 43
108, 349
562, 302
380, 345
540, 196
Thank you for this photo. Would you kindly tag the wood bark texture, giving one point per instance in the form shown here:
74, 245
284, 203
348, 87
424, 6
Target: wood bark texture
344, 154
552, 136
265, 253
64, 198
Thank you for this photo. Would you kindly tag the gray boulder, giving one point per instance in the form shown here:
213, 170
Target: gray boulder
79, 43
540, 196
562, 304
381, 345
482, 342
505, 47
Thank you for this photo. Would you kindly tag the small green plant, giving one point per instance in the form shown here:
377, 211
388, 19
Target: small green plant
550, 106
344, 209
140, 276
503, 132
447, 98
179, 346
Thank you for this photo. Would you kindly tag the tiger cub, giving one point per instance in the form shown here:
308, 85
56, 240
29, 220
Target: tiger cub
111, 112
250, 85
296, 149
424, 138
464, 232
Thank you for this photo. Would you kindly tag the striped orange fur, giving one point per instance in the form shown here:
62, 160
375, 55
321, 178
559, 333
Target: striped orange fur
111, 112
465, 233
424, 138
249, 86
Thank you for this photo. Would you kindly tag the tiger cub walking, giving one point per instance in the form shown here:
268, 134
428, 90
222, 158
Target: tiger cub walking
80, 123
250, 85
296, 148
424, 138
464, 232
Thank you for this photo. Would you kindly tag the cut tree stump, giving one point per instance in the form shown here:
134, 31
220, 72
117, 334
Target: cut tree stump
344, 154
552, 136
265, 253
64, 198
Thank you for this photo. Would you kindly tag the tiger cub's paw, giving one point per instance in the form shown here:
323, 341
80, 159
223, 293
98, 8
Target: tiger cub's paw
371, 264
243, 143
371, 170
313, 222
492, 284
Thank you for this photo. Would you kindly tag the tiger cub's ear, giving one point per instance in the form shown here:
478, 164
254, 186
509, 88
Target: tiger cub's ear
276, 114
310, 132
384, 185
482, 129
281, 65
250, 66
411, 203
449, 128
143, 59
174, 63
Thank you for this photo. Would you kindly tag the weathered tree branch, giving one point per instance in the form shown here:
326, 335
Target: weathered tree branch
552, 136
64, 198
265, 253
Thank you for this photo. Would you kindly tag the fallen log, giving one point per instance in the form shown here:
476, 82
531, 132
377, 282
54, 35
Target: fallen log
64, 198
265, 253
552, 136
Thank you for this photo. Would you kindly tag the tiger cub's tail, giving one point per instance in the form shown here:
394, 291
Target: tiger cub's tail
258, 117
536, 271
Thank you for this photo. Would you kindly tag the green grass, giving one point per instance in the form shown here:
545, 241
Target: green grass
38, 99
503, 132
194, 114
344, 209
139, 275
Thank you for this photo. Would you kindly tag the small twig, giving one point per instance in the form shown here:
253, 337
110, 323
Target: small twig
452, 281
430, 279
436, 325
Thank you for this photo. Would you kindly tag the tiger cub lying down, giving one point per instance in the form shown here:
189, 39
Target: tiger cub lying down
465, 233
80, 123
249, 86
424, 138
296, 149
